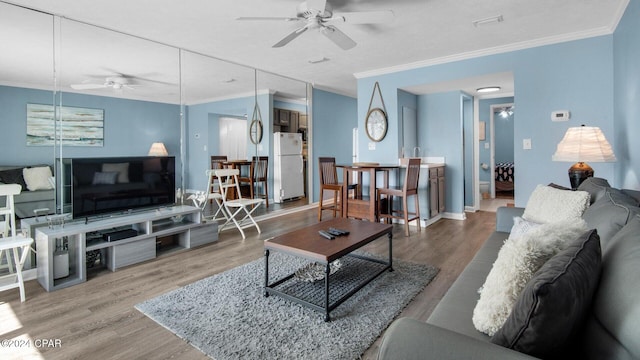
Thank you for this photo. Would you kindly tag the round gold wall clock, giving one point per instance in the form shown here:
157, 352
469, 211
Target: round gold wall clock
255, 131
376, 124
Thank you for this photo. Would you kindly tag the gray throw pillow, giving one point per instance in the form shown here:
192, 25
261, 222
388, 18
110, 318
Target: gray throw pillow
610, 213
552, 307
13, 176
595, 187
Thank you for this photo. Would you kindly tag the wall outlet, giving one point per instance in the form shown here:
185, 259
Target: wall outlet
526, 144
372, 145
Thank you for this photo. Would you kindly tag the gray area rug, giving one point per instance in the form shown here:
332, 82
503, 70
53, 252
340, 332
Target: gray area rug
226, 315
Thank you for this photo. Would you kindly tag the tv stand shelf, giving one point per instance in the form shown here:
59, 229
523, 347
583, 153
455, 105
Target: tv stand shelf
82, 237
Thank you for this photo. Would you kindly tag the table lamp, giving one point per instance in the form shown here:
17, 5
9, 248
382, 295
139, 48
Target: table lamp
581, 144
158, 149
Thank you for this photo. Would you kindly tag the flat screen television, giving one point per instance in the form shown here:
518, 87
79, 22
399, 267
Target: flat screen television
96, 186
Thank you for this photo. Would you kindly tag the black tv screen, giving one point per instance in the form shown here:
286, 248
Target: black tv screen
118, 184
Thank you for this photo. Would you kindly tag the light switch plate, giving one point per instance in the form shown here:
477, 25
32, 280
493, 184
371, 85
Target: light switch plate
526, 144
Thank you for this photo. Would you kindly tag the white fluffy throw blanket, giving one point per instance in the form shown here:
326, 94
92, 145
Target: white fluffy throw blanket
518, 259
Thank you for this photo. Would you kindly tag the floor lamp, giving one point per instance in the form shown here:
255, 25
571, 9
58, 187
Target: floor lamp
581, 144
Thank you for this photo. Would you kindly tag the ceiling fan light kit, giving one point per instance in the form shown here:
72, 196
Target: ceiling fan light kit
318, 14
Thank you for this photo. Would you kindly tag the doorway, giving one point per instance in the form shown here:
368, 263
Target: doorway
233, 138
501, 164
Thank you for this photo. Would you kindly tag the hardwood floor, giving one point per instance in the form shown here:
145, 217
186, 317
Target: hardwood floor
97, 319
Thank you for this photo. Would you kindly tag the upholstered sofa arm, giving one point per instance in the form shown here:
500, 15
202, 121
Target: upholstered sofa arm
408, 338
504, 217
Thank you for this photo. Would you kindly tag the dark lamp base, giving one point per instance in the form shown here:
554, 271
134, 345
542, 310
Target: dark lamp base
578, 173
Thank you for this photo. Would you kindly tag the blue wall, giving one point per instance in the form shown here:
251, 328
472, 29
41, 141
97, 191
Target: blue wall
130, 126
626, 77
334, 117
440, 134
203, 130
576, 75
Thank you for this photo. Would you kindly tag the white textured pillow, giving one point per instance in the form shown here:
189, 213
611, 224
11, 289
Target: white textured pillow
37, 178
521, 227
518, 259
547, 204
121, 168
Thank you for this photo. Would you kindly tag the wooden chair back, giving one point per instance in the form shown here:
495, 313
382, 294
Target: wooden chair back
411, 175
328, 173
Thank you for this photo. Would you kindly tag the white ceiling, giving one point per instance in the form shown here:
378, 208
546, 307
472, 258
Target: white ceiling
421, 33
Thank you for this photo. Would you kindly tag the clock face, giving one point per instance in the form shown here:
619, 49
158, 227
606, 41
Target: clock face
255, 131
376, 124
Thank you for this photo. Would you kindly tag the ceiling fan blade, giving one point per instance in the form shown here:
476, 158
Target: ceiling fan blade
338, 37
363, 17
287, 39
87, 86
268, 18
319, 5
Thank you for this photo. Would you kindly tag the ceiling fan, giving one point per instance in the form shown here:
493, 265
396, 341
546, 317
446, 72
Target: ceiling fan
116, 82
318, 14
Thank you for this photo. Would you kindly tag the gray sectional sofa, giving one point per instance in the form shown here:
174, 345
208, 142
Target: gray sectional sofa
27, 201
608, 328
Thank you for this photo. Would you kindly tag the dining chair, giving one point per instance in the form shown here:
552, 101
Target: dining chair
236, 208
258, 173
329, 181
217, 162
386, 208
13, 245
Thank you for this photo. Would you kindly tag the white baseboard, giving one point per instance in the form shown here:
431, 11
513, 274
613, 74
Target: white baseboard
454, 216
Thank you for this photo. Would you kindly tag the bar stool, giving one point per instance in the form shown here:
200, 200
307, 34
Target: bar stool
409, 188
329, 181
11, 245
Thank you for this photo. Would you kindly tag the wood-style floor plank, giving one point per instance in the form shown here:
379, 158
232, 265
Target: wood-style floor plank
97, 319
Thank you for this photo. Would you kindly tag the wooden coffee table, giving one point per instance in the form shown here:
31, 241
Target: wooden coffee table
308, 244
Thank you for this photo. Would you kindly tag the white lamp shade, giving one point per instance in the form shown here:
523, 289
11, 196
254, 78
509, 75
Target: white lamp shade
584, 144
158, 149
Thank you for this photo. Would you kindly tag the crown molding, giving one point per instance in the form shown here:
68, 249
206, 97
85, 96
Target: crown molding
334, 91
604, 30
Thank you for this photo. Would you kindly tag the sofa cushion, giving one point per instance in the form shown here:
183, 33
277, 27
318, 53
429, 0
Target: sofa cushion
610, 213
13, 176
547, 204
614, 329
105, 178
37, 178
595, 187
552, 308
518, 259
455, 310
121, 168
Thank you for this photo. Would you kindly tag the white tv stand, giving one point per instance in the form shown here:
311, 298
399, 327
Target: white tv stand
82, 237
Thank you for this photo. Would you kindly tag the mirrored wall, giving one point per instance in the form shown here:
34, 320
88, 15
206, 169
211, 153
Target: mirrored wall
74, 90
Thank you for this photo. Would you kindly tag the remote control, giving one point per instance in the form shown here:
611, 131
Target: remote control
326, 235
340, 231
334, 232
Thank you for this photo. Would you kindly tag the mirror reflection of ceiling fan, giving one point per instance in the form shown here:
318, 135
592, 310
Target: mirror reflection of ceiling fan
116, 82
318, 14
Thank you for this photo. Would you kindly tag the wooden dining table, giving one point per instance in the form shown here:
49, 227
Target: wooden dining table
363, 206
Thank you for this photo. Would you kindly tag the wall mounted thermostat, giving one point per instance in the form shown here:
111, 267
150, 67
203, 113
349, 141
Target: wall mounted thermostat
561, 115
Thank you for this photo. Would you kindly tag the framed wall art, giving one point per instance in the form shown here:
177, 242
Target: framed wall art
77, 126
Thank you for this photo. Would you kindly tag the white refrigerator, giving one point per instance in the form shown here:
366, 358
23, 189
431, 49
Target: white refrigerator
288, 168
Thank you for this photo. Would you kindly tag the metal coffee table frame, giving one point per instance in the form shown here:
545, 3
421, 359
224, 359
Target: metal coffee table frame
270, 288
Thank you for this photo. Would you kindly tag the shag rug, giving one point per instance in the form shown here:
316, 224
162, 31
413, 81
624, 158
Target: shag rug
226, 315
